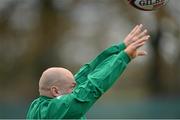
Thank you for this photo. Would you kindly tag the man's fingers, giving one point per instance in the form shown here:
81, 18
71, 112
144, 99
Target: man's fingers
143, 39
138, 30
140, 45
141, 53
141, 42
136, 36
142, 34
134, 29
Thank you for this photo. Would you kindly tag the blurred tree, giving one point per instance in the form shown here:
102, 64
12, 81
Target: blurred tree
40, 52
161, 71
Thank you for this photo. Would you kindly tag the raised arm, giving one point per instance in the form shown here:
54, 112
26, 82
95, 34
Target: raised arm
89, 67
82, 74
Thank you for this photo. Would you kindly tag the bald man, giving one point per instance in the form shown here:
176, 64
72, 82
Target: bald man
55, 82
64, 96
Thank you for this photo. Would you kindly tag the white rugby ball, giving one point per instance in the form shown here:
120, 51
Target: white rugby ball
148, 5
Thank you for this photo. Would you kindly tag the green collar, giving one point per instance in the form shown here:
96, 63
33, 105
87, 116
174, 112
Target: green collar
45, 97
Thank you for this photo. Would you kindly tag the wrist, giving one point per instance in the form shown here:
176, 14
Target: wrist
130, 53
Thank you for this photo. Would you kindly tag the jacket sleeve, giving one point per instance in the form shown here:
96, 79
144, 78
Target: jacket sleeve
89, 67
76, 104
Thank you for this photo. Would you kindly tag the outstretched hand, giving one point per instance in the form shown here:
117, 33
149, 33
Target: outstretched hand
134, 40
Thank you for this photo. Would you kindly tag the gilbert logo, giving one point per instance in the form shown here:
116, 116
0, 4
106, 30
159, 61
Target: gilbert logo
151, 2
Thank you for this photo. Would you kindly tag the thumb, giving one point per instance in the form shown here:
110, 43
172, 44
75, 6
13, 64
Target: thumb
141, 53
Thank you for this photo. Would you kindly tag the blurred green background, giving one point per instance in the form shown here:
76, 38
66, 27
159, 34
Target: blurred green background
37, 34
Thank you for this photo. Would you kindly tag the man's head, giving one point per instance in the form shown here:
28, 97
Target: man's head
56, 81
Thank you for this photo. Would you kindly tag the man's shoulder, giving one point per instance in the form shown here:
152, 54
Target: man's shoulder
62, 98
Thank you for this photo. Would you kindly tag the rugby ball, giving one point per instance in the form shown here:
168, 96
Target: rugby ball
148, 5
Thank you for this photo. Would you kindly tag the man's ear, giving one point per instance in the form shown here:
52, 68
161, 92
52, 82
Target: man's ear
54, 91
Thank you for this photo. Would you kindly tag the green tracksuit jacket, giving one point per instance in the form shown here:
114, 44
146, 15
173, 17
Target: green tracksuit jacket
93, 79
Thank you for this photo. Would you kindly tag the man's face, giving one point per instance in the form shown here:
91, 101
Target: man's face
67, 87
70, 84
